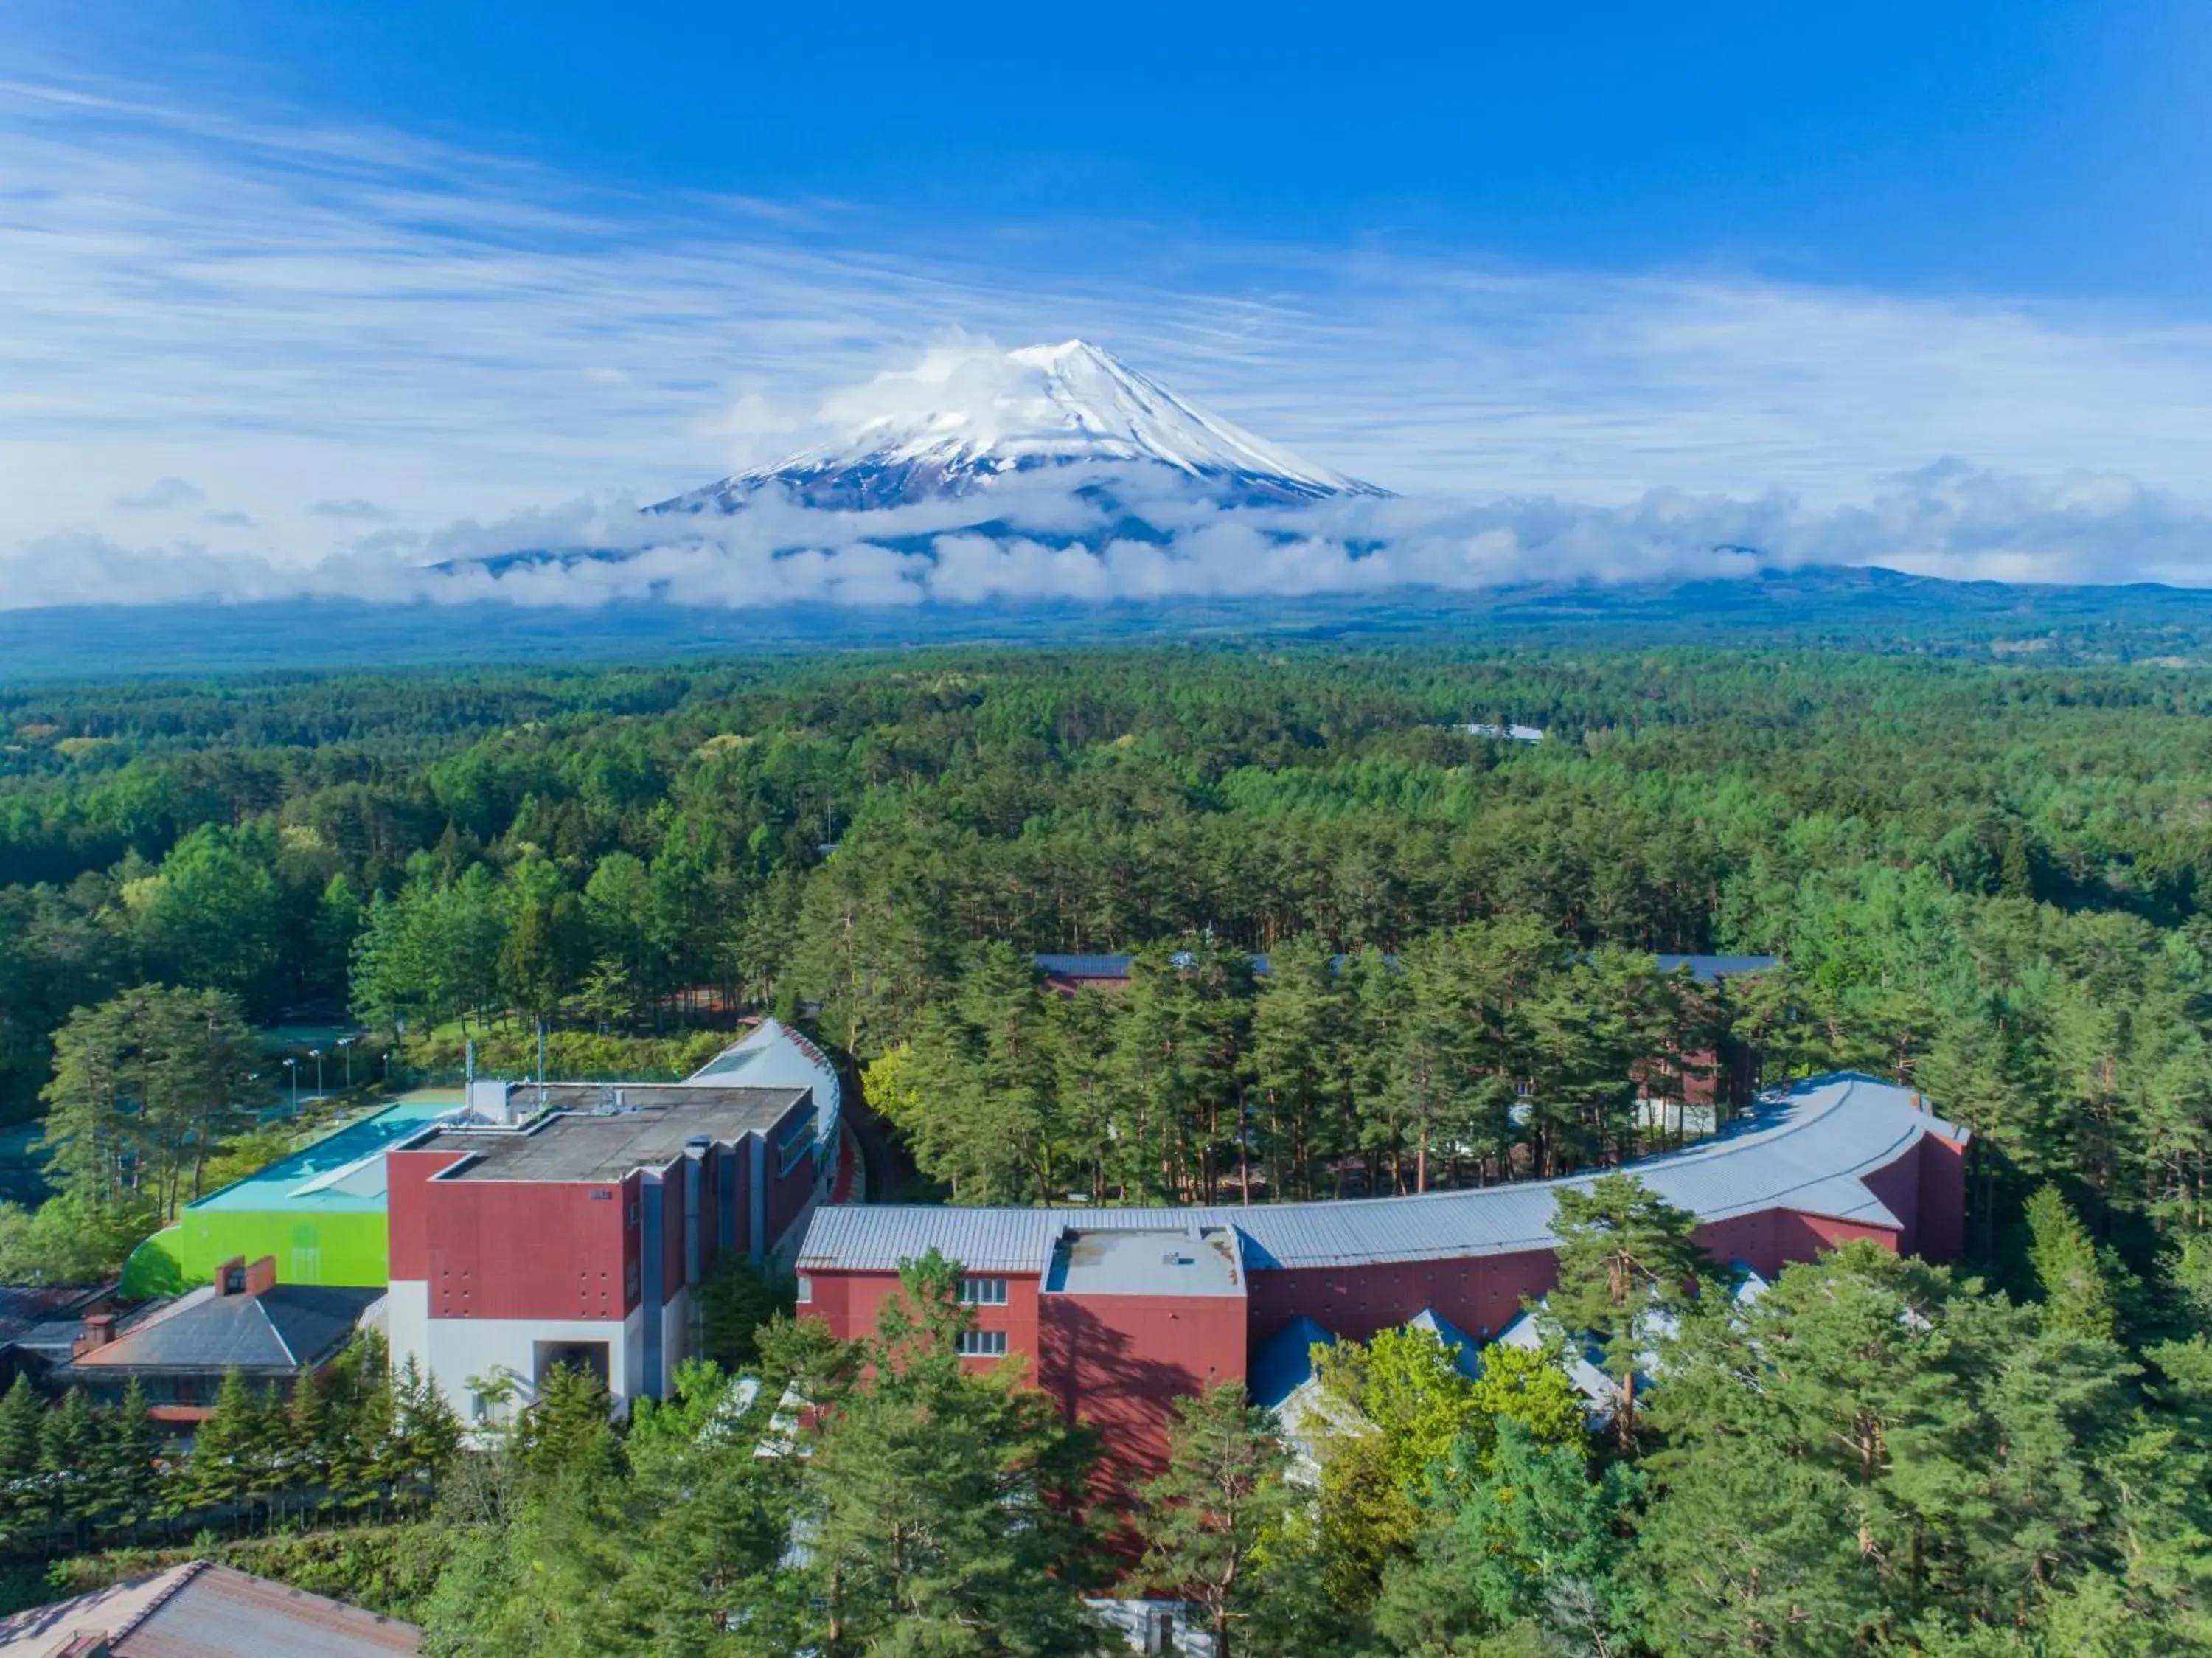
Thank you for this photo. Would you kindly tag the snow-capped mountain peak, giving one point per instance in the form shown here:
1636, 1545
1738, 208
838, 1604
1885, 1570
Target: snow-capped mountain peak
965, 420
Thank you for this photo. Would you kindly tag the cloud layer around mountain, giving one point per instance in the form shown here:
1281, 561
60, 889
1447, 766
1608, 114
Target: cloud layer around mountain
1949, 520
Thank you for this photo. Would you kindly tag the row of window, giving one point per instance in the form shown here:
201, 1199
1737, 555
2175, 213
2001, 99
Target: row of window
983, 1292
984, 1343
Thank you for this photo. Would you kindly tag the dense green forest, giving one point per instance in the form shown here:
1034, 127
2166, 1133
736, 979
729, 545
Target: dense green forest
1990, 881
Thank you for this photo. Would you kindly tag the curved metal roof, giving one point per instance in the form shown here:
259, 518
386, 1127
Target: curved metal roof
1807, 1149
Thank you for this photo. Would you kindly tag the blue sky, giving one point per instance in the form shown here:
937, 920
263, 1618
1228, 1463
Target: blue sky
286, 278
2027, 147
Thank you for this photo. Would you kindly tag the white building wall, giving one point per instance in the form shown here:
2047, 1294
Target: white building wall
455, 1352
1156, 1625
407, 1321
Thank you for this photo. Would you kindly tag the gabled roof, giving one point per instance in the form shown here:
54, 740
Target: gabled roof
1806, 1149
1283, 1362
286, 1328
200, 1609
1466, 1352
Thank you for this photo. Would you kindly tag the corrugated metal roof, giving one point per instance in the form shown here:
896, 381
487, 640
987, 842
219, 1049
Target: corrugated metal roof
199, 1610
216, 1611
1806, 1149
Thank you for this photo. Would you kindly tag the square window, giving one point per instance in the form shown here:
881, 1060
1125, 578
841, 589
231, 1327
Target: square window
805, 1287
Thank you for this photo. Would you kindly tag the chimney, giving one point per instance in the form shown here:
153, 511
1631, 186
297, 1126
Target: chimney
230, 1276
98, 1331
261, 1276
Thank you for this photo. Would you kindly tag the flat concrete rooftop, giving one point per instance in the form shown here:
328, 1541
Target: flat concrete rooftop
1146, 1261
591, 1145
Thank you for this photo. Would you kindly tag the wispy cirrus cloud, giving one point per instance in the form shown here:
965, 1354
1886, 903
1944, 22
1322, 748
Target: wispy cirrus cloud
353, 339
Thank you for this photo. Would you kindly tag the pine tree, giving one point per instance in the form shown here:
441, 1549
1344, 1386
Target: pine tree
69, 1444
1625, 1253
130, 1460
309, 1421
568, 1427
25, 1491
943, 1502
2076, 1297
1225, 1494
426, 1434
226, 1449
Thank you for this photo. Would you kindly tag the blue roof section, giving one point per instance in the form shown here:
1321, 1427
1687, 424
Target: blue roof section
1466, 1352
1706, 969
1711, 969
1283, 1362
1085, 966
1807, 1149
343, 1171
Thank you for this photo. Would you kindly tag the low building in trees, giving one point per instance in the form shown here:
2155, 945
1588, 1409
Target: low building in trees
1184, 1297
179, 1350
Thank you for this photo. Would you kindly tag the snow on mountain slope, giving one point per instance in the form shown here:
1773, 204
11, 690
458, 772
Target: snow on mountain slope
964, 421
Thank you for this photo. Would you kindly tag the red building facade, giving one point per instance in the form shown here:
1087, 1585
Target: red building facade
579, 1234
1121, 1312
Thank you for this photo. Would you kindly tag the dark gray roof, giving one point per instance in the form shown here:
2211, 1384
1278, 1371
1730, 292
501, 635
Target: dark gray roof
287, 1328
23, 1307
1806, 1149
582, 1141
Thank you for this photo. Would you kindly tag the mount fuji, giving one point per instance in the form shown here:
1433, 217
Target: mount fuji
961, 426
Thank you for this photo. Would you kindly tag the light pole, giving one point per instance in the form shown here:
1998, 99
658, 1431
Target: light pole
318, 1057
292, 1066
346, 1043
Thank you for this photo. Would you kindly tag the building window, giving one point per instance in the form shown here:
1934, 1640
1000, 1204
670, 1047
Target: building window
983, 1292
982, 1343
795, 1144
806, 1287
479, 1407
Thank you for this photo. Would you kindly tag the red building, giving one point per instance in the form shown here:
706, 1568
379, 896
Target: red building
578, 1233
1120, 1311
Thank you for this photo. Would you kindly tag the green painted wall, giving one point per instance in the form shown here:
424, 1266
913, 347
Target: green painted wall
153, 1268
345, 1248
